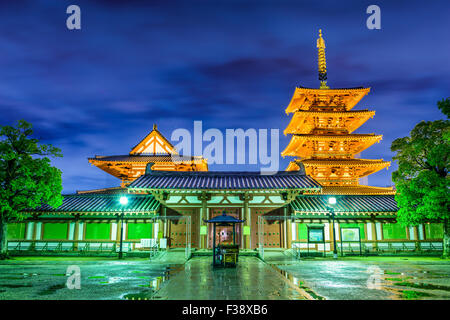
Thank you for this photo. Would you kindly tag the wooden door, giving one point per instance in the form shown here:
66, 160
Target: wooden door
272, 229
178, 229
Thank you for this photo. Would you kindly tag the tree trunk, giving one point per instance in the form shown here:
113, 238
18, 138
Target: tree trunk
3, 242
446, 240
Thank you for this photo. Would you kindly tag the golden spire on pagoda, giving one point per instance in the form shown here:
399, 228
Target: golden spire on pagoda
322, 62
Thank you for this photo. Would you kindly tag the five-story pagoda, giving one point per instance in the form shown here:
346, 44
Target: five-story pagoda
322, 135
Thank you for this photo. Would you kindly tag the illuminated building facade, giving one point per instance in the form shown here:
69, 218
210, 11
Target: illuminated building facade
169, 199
323, 141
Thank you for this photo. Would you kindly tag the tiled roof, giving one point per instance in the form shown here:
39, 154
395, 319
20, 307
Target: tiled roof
112, 190
224, 180
145, 158
345, 204
224, 218
104, 203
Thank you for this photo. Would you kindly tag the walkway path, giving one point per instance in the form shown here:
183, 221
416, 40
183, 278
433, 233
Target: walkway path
251, 279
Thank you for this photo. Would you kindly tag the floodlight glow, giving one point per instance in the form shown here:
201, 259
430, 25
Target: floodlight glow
123, 200
332, 200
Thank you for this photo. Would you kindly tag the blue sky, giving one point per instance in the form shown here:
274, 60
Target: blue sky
231, 64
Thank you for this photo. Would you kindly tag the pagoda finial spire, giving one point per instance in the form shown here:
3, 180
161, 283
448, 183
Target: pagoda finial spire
322, 62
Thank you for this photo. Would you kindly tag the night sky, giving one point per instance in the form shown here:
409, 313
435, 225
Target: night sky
231, 64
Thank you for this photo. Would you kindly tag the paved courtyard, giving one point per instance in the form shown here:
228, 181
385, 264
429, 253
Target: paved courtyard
281, 277
368, 278
251, 279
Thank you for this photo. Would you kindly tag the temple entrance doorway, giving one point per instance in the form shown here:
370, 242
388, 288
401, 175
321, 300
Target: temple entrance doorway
179, 234
224, 234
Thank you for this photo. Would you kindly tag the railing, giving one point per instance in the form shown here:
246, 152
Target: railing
85, 246
367, 247
81, 246
296, 250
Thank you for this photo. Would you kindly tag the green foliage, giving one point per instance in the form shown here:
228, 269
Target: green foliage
422, 177
27, 180
444, 106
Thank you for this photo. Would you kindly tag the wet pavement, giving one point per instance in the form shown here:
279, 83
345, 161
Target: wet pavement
280, 277
369, 278
251, 279
100, 279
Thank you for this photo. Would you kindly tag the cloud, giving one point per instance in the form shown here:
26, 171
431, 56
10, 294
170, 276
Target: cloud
229, 64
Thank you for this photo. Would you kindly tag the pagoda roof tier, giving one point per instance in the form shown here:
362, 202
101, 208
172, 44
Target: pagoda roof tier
326, 146
345, 162
305, 98
303, 122
338, 172
358, 189
342, 169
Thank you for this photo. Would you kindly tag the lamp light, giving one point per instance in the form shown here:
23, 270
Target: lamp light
332, 200
123, 200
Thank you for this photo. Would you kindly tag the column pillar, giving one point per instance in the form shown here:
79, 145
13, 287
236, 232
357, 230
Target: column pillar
289, 234
203, 239
416, 237
247, 239
30, 231
285, 229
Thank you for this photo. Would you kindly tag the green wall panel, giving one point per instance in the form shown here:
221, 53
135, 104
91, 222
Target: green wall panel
16, 231
434, 231
354, 225
55, 231
140, 230
393, 231
302, 231
98, 231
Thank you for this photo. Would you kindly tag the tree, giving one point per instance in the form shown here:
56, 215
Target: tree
444, 106
422, 180
27, 180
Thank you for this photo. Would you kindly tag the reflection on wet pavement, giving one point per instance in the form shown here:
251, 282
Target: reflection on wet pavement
370, 279
251, 279
280, 277
47, 279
